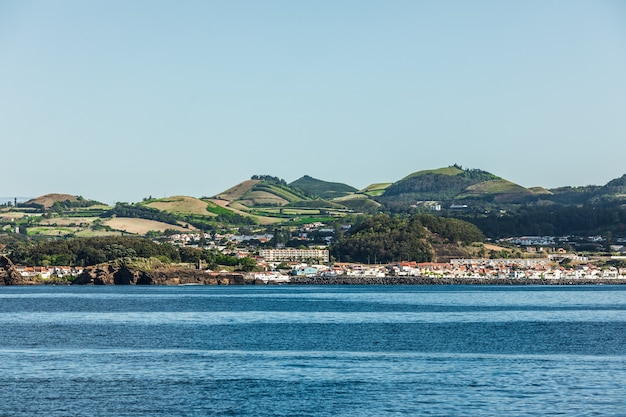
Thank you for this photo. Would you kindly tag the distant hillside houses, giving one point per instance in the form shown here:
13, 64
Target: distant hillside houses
49, 271
500, 263
531, 240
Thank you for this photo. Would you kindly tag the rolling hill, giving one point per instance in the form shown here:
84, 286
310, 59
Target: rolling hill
47, 201
323, 189
306, 199
502, 191
182, 205
263, 192
613, 190
442, 184
265, 200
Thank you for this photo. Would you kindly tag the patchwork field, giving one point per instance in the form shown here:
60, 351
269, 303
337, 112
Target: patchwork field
182, 205
68, 221
52, 231
142, 226
374, 190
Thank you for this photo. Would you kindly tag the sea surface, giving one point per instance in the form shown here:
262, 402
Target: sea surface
313, 351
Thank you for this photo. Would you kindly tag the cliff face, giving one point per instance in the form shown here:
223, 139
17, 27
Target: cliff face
9, 275
115, 275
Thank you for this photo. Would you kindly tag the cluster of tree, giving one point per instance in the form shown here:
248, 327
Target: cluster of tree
476, 175
451, 230
141, 212
90, 251
63, 206
96, 250
551, 221
382, 238
609, 193
385, 238
616, 186
269, 178
571, 195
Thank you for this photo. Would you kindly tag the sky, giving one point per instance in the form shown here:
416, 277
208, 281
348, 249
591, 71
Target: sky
119, 100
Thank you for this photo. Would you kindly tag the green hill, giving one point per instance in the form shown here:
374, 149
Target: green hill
497, 190
438, 185
322, 189
65, 201
614, 190
360, 203
451, 171
270, 197
262, 192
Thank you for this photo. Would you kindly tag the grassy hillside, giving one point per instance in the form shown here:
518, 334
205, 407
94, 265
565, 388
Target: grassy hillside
322, 189
497, 190
48, 200
614, 190
451, 170
142, 226
182, 205
375, 190
439, 184
540, 191
252, 193
240, 209
360, 203
262, 198
67, 201
269, 200
236, 192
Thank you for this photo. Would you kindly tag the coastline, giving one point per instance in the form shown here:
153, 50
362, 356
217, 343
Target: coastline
393, 280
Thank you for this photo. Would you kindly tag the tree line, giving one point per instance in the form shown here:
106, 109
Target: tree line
386, 238
551, 221
97, 250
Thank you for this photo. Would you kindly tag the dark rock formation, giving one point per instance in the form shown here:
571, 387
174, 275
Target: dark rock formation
9, 275
121, 275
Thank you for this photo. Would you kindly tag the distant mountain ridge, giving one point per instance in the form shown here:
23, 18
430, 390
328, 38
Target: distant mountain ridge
266, 199
452, 183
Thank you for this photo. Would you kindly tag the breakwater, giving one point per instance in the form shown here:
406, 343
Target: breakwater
394, 280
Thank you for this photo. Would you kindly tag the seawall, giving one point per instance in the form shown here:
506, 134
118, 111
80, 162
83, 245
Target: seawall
393, 280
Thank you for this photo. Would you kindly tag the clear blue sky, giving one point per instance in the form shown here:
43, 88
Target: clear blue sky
117, 100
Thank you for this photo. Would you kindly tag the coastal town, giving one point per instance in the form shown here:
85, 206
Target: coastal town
543, 260
534, 270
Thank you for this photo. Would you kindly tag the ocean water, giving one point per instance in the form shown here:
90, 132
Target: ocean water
313, 351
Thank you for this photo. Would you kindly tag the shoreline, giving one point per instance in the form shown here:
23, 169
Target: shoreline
392, 280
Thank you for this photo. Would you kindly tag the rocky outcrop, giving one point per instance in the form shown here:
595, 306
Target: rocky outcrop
121, 275
9, 275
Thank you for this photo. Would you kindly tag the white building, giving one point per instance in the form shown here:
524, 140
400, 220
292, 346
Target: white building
297, 255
